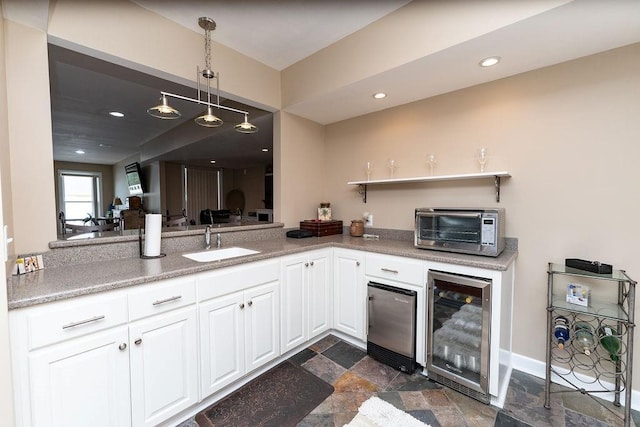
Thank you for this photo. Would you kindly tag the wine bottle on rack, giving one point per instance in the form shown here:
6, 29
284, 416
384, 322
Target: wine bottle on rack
610, 341
561, 331
583, 337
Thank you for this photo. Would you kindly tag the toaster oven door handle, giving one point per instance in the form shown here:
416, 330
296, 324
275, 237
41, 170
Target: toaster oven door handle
445, 213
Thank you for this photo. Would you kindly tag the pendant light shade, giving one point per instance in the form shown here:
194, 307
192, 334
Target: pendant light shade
208, 119
246, 127
164, 111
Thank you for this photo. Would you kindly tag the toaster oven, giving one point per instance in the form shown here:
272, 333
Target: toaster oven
478, 231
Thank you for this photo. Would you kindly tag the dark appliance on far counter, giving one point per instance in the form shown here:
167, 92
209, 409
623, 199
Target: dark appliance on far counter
477, 231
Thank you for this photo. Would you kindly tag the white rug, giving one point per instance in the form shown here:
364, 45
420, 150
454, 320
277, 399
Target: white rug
377, 413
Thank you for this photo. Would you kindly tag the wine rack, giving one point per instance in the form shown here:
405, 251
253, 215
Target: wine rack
591, 368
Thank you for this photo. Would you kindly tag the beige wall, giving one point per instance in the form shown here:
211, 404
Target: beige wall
568, 134
30, 142
6, 390
300, 159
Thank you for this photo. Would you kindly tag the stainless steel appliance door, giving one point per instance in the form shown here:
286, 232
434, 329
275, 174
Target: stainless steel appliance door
455, 227
458, 338
392, 314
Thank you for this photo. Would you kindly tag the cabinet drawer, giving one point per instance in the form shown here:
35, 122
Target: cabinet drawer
64, 320
161, 296
237, 278
395, 268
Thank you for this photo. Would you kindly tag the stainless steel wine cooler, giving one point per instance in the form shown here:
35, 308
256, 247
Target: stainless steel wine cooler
458, 336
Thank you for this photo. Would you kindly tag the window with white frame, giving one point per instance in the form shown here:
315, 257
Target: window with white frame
80, 194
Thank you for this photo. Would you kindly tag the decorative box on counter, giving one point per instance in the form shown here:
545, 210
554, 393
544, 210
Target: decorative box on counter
322, 228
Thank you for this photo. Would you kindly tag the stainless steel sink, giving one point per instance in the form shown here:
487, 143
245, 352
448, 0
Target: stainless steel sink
219, 254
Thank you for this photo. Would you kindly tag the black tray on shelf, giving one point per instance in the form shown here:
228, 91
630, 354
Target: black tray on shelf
590, 266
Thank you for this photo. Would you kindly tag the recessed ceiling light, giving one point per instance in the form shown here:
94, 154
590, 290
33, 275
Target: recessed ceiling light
79, 151
379, 95
105, 145
212, 161
265, 150
490, 61
116, 114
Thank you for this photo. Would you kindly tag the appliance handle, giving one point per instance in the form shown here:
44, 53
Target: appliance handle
443, 213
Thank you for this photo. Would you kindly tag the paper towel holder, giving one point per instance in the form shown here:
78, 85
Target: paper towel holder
142, 255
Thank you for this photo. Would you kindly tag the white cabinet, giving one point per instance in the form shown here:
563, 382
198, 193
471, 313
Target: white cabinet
349, 292
305, 289
164, 369
239, 331
115, 359
83, 381
163, 350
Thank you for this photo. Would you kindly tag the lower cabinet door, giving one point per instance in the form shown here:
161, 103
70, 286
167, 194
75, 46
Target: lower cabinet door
164, 366
319, 287
221, 342
263, 325
82, 382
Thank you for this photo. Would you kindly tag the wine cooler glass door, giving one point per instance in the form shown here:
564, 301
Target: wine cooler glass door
458, 334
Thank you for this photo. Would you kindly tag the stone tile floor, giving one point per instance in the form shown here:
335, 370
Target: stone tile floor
355, 377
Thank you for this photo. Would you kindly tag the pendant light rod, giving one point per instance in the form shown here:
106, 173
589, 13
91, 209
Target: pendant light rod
197, 101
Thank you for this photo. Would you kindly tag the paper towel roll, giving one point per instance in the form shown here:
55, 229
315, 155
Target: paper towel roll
152, 232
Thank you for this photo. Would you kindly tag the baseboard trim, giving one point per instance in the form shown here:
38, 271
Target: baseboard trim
537, 368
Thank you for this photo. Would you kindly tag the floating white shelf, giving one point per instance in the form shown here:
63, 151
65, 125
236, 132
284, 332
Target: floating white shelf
495, 175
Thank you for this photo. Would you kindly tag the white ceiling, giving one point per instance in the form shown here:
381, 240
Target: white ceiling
277, 33
282, 32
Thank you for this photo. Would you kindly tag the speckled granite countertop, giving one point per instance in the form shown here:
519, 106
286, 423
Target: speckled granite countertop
59, 283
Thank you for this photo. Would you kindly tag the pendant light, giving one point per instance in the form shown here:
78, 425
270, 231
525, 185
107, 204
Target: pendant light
164, 111
246, 127
208, 118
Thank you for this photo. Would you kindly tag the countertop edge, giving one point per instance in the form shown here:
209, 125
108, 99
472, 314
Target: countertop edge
176, 266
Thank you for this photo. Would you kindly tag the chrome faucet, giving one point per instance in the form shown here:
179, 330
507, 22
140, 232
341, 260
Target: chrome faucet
218, 240
207, 237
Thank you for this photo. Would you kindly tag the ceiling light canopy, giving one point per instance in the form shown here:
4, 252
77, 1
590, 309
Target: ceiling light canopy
207, 118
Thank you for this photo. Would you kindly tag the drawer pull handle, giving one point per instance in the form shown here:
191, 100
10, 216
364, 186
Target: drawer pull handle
138, 341
311, 263
82, 322
162, 301
241, 306
357, 263
122, 347
388, 270
250, 303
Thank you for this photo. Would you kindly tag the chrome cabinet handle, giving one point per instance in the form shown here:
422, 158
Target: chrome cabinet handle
250, 303
311, 263
388, 270
122, 346
358, 263
241, 306
82, 322
306, 264
138, 341
162, 301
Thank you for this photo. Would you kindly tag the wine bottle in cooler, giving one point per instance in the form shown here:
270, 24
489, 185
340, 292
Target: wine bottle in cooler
561, 331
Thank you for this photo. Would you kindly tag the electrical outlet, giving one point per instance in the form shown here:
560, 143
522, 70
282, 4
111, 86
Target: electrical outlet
369, 221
